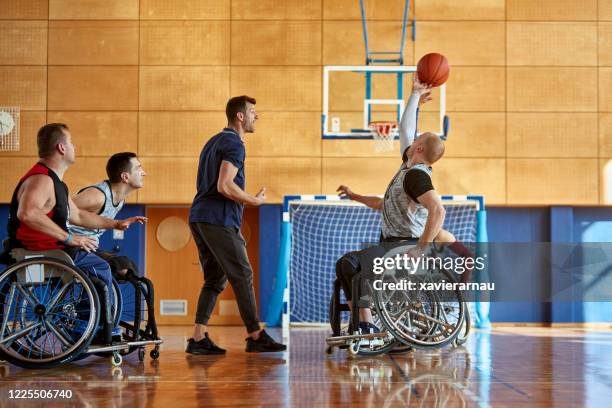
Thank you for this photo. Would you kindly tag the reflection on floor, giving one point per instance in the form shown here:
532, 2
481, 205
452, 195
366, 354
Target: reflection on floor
505, 367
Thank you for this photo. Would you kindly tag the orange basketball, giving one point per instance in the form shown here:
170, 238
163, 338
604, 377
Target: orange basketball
433, 69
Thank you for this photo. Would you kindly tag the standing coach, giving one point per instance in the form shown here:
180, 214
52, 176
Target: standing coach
215, 218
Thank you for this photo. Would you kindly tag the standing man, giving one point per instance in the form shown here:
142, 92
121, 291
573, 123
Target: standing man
215, 218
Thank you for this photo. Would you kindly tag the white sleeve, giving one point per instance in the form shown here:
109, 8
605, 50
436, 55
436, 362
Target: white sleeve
407, 126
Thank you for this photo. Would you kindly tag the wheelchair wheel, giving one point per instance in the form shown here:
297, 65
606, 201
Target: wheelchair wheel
465, 329
49, 311
421, 318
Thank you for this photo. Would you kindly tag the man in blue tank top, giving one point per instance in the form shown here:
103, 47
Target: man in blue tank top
125, 175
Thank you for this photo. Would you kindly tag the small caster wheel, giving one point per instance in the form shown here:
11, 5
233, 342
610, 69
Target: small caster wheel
354, 347
329, 350
116, 359
141, 354
154, 354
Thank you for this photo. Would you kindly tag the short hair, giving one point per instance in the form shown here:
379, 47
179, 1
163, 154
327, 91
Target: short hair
237, 104
117, 164
48, 138
434, 147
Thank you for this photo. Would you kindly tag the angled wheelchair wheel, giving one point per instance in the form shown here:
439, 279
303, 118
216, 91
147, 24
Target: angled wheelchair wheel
422, 318
49, 311
465, 329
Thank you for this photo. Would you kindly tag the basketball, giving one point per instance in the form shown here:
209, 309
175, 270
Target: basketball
433, 69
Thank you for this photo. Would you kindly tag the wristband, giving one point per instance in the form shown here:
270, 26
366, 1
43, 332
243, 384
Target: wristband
68, 240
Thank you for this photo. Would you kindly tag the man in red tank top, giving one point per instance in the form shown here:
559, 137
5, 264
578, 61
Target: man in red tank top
41, 209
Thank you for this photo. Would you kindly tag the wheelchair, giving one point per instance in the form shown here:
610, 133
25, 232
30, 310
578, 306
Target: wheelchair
408, 319
50, 312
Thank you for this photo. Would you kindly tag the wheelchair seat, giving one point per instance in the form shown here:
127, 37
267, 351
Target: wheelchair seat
20, 254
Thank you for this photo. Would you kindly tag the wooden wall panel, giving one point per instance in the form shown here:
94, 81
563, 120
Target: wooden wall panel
605, 44
100, 134
463, 43
375, 10
85, 172
289, 89
285, 134
93, 9
93, 43
275, 10
184, 88
358, 148
295, 43
460, 10
177, 134
24, 10
472, 134
605, 135
605, 181
74, 88
552, 181
605, 10
23, 43
476, 89
184, 42
169, 180
343, 41
358, 174
485, 177
551, 10
24, 86
12, 169
552, 89
605, 85
283, 176
552, 135
552, 44
185, 9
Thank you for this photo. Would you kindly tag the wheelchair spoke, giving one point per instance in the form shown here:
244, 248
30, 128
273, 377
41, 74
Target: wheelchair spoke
6, 316
59, 294
10, 339
57, 333
28, 296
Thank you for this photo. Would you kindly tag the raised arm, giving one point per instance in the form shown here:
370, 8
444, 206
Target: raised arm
408, 123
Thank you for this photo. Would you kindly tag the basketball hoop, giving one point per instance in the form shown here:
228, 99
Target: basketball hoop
383, 133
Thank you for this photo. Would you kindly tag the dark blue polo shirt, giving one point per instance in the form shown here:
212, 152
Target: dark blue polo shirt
208, 204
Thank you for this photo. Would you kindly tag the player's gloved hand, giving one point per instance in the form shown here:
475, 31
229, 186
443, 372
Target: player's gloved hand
345, 192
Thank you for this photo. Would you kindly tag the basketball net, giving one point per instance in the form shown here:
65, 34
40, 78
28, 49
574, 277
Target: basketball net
384, 134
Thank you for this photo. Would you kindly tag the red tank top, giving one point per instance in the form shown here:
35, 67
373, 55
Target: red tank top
20, 234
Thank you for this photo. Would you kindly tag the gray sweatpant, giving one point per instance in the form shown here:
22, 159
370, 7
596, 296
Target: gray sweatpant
223, 257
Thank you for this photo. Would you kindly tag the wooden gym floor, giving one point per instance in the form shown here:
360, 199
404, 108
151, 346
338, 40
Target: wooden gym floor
508, 367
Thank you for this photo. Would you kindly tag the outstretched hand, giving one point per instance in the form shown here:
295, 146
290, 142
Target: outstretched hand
345, 192
125, 224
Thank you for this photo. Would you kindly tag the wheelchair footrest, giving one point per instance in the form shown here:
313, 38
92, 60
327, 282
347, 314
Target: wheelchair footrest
337, 340
113, 347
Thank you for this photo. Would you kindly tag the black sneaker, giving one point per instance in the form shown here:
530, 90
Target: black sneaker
204, 346
263, 344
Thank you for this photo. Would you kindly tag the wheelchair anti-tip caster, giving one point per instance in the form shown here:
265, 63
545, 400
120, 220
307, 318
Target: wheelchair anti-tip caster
354, 347
329, 350
141, 354
154, 353
116, 359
